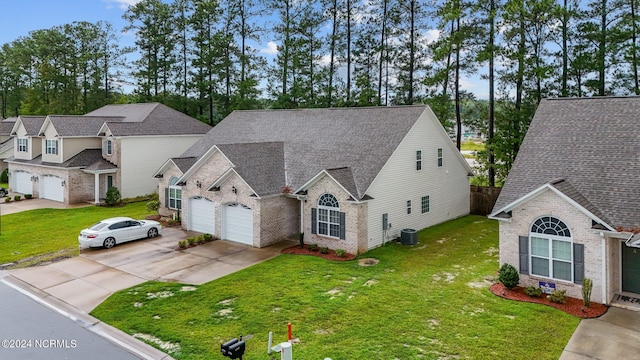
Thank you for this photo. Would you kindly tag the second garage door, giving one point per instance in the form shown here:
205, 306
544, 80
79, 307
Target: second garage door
238, 223
52, 188
202, 215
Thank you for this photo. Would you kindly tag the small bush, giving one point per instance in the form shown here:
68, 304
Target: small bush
587, 285
558, 296
200, 239
340, 252
313, 247
508, 276
191, 241
324, 250
113, 197
28, 196
207, 237
533, 291
17, 198
7, 199
4, 177
153, 206
182, 244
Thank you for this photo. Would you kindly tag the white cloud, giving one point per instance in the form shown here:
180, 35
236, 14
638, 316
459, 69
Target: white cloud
271, 49
122, 4
432, 35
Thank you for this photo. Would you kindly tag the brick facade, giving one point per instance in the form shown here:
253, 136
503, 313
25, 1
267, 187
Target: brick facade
549, 203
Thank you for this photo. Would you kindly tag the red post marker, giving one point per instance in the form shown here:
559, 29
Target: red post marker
289, 331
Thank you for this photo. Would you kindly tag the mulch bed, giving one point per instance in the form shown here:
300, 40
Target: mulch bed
297, 250
572, 306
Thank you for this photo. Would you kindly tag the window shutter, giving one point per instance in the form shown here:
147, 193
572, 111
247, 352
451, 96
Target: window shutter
523, 249
343, 230
166, 197
578, 263
314, 222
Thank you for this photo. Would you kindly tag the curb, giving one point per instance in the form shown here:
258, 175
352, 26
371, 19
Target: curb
115, 336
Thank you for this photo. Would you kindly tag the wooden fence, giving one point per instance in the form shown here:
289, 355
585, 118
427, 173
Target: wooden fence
483, 198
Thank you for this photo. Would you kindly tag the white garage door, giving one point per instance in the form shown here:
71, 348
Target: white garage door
202, 215
22, 183
52, 188
238, 223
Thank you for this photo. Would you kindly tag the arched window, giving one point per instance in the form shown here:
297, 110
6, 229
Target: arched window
328, 216
551, 249
174, 194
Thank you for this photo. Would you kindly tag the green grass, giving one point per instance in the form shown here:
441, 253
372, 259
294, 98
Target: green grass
53, 231
472, 145
429, 301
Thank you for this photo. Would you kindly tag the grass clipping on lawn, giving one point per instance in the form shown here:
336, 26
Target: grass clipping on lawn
429, 300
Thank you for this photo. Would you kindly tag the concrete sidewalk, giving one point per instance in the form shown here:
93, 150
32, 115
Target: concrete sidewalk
32, 204
614, 335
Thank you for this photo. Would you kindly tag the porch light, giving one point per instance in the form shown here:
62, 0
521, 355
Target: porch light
234, 190
198, 184
63, 183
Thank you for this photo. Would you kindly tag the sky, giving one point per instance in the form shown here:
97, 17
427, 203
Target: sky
19, 17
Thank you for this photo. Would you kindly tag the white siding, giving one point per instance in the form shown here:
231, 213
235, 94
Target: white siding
141, 157
399, 181
34, 146
51, 134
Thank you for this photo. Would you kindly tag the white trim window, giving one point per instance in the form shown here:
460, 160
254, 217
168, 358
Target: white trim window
551, 249
418, 159
23, 144
175, 195
51, 147
109, 147
439, 157
408, 206
425, 204
328, 216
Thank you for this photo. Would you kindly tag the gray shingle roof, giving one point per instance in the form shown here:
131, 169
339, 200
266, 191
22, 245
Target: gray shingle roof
345, 177
79, 125
150, 119
32, 124
316, 139
593, 144
261, 165
184, 163
81, 160
6, 125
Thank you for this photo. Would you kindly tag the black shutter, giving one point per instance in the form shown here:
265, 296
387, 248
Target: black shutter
166, 197
578, 263
314, 222
343, 230
523, 249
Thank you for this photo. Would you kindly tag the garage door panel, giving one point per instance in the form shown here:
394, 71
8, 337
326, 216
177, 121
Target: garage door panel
202, 215
51, 188
22, 183
238, 223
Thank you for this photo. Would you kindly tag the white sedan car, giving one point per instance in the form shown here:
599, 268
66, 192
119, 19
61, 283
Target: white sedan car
107, 233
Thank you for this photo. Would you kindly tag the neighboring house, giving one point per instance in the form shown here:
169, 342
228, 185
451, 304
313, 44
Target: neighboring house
77, 158
568, 205
6, 143
348, 178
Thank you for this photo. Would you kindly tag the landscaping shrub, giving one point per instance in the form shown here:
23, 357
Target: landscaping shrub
191, 241
113, 197
558, 296
182, 244
340, 252
324, 250
153, 206
533, 291
7, 199
313, 247
200, 239
4, 177
17, 197
508, 276
28, 196
587, 285
207, 237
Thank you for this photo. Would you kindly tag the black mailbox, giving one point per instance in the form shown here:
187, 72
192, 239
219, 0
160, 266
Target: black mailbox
233, 349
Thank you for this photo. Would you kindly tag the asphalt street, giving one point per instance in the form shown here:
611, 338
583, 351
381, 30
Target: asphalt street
30, 330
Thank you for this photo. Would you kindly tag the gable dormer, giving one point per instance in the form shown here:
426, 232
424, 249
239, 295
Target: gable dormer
26, 140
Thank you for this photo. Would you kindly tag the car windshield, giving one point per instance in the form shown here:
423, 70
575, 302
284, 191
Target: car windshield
97, 227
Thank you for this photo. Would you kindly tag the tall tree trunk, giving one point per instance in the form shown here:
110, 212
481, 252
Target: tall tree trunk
383, 48
634, 48
458, 44
602, 51
334, 14
348, 52
565, 50
412, 50
492, 160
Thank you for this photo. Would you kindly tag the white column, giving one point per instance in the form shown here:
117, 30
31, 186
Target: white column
96, 187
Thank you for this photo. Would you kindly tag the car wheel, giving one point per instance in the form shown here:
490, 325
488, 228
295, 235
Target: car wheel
109, 243
153, 232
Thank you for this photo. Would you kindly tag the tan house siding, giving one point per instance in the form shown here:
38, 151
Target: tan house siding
551, 204
73, 146
399, 181
34, 147
353, 215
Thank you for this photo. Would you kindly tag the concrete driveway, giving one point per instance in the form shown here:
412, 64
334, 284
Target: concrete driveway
614, 335
85, 281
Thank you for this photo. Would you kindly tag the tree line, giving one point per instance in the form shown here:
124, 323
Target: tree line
201, 57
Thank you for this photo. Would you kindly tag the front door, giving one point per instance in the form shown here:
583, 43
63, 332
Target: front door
630, 269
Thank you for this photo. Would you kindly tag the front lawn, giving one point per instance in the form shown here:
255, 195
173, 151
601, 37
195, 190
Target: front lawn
53, 232
426, 301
